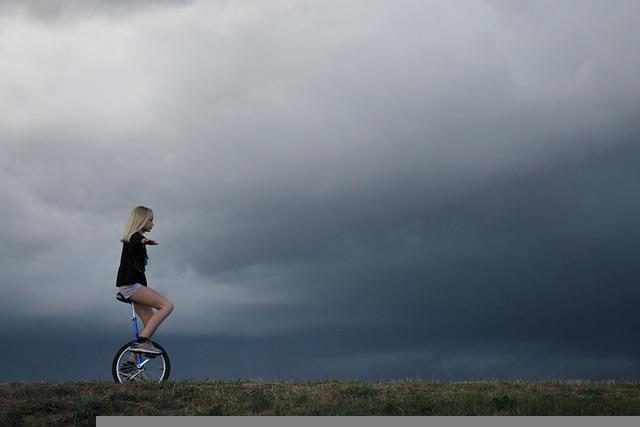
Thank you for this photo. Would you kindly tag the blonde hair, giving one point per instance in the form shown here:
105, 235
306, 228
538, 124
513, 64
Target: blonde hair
137, 220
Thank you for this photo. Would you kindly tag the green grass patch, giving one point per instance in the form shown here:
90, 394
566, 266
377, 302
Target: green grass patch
80, 403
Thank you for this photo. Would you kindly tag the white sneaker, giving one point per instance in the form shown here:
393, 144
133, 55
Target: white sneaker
144, 347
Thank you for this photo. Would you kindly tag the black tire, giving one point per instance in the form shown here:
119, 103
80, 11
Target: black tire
156, 367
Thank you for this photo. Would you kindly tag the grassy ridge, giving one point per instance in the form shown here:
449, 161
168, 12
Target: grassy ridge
79, 403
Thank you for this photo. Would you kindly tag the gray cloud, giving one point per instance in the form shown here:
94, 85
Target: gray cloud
393, 181
69, 10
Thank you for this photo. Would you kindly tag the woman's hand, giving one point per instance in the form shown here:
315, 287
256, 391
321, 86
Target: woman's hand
149, 242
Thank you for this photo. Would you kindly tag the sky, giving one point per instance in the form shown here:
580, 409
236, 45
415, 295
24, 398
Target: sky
357, 189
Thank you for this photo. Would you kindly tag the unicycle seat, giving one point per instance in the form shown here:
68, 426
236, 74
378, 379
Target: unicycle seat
121, 298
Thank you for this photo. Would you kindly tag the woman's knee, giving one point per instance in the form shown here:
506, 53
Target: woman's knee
168, 306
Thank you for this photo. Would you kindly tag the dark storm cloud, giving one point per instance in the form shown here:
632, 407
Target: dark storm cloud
545, 253
320, 354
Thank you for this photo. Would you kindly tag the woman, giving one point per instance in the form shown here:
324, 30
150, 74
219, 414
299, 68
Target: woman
132, 282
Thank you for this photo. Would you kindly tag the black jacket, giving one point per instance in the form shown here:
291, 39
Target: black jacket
132, 262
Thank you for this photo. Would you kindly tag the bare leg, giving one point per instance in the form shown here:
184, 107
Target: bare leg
144, 312
150, 298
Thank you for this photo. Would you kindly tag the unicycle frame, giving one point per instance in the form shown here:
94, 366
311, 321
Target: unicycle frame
134, 319
140, 361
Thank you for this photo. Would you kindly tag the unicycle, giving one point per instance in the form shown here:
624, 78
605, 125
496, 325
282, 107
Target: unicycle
132, 367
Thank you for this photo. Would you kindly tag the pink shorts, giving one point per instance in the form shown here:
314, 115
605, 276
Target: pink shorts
128, 290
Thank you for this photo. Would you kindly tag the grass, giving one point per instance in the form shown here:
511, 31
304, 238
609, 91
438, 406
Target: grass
80, 403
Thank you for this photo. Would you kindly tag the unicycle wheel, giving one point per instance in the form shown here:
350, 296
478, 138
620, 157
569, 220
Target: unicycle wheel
131, 367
